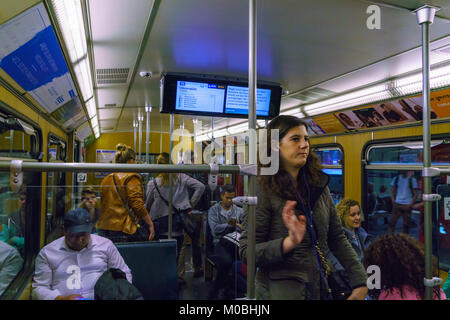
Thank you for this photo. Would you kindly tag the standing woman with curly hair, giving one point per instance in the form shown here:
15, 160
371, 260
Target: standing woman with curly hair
296, 223
120, 212
401, 260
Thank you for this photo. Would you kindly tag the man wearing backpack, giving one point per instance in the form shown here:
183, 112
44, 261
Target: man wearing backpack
403, 195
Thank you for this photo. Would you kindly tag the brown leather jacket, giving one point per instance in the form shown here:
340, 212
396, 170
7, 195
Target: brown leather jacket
113, 214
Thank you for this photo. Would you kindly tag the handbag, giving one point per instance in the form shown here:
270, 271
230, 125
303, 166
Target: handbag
142, 233
188, 225
340, 289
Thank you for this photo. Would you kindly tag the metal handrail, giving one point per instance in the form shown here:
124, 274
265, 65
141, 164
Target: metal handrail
114, 167
403, 167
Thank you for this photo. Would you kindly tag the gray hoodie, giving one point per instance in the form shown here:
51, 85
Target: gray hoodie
180, 195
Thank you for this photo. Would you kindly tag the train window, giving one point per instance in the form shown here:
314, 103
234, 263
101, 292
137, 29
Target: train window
409, 152
441, 221
55, 190
17, 138
19, 222
332, 161
394, 187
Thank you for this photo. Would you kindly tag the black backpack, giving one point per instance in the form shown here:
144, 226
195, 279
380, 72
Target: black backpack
204, 203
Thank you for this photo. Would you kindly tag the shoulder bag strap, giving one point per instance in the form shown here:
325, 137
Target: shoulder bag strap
124, 203
162, 198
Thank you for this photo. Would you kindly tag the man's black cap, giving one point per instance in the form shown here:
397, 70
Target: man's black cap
77, 221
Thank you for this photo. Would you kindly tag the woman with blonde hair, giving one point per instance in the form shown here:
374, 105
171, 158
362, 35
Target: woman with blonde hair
157, 198
351, 217
122, 203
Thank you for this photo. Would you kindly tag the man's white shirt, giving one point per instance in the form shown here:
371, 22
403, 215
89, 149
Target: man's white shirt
60, 270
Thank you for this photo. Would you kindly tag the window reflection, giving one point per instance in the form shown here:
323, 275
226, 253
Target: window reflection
331, 159
13, 215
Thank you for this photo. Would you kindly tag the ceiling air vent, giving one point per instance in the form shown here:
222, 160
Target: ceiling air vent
112, 75
311, 95
110, 105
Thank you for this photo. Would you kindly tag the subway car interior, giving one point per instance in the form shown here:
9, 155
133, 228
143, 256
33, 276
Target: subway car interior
200, 80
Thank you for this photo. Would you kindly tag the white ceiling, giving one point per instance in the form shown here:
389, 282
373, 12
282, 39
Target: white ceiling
303, 45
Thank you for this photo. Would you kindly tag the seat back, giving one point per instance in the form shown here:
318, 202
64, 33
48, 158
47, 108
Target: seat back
153, 266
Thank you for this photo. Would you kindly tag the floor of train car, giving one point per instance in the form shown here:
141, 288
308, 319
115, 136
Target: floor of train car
195, 288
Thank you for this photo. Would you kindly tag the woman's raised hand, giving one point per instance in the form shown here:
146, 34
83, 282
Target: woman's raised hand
296, 226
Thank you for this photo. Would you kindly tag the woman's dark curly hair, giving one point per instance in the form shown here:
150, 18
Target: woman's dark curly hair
280, 182
401, 260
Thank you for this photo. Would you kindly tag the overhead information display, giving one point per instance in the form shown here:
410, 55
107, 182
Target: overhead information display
31, 55
217, 96
203, 97
237, 101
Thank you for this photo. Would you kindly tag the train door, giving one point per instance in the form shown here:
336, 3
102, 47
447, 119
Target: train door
56, 191
393, 187
19, 206
441, 209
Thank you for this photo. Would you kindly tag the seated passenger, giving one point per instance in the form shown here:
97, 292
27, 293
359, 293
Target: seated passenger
10, 265
69, 267
16, 224
400, 260
350, 214
224, 219
89, 198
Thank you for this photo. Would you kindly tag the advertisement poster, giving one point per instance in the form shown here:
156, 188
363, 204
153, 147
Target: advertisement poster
30, 54
440, 103
349, 120
313, 128
387, 113
104, 156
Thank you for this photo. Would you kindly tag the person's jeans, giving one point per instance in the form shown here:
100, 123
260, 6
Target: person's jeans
225, 253
161, 227
400, 210
196, 246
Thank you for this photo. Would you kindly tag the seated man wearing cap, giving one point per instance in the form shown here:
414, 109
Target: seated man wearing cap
69, 267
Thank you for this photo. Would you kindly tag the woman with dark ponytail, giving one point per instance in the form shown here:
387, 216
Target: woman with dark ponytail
296, 223
122, 203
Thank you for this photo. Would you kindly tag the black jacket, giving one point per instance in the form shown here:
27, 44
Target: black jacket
113, 285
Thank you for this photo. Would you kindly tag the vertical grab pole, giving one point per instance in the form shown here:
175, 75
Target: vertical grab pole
212, 153
425, 16
170, 178
134, 128
252, 147
148, 109
140, 119
182, 149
